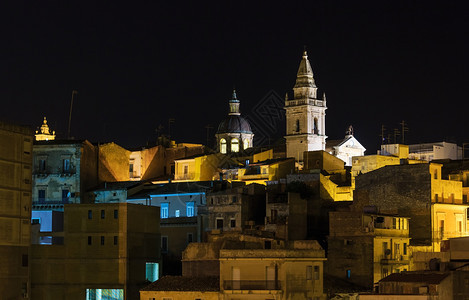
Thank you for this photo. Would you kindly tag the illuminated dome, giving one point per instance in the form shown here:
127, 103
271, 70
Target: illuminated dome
234, 133
234, 124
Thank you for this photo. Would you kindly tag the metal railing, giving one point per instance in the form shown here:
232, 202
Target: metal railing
251, 285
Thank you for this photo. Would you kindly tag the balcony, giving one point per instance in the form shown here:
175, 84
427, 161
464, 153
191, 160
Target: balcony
396, 260
260, 285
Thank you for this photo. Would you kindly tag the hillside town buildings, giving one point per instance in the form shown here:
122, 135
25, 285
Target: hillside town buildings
311, 218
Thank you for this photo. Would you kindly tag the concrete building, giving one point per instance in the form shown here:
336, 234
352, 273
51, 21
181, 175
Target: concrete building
109, 251
234, 134
236, 208
434, 151
363, 248
414, 285
305, 115
15, 210
267, 171
62, 172
418, 191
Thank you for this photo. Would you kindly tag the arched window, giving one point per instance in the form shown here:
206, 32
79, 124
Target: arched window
222, 146
245, 144
315, 128
297, 127
234, 145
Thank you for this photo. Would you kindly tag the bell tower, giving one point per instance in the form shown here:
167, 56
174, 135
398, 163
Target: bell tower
305, 114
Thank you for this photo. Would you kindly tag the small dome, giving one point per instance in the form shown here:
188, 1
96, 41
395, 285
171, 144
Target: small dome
234, 124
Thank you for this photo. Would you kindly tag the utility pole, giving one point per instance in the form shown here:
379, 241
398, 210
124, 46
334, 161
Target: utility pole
383, 137
404, 129
74, 92
396, 134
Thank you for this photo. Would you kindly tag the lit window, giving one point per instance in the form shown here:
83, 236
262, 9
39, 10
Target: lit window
190, 209
246, 144
176, 213
151, 272
234, 145
223, 146
66, 165
164, 210
65, 196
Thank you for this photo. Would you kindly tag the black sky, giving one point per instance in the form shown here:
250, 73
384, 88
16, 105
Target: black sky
136, 64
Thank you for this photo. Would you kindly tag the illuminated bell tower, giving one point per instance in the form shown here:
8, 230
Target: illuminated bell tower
305, 114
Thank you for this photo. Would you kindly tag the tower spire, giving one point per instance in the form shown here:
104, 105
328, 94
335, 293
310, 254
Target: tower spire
234, 104
304, 77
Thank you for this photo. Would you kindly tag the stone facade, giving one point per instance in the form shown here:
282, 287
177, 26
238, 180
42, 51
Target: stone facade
305, 115
15, 210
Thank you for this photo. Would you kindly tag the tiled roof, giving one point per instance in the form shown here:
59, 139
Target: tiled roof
427, 277
184, 283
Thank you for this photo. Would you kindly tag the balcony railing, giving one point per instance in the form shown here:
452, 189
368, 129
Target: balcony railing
251, 285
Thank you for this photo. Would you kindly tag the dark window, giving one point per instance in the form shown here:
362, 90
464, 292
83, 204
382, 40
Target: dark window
89, 240
234, 199
404, 251
41, 195
316, 273
116, 213
464, 199
102, 240
90, 214
65, 196
267, 244
42, 165
103, 213
309, 272
232, 223
220, 224
297, 126
190, 238
164, 244
24, 260
115, 240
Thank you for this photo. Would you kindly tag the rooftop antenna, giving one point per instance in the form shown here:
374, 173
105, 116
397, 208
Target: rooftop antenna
383, 137
74, 92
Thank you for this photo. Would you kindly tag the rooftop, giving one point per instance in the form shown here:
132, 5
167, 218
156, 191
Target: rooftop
418, 276
184, 283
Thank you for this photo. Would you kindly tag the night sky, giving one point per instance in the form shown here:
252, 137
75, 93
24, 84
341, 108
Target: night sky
135, 64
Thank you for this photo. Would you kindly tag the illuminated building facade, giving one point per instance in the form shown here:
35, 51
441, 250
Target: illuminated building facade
109, 251
305, 114
15, 210
44, 134
234, 134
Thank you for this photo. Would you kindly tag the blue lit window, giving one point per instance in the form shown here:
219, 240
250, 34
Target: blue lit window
152, 271
164, 210
190, 209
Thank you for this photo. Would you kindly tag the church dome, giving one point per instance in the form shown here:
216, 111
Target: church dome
234, 124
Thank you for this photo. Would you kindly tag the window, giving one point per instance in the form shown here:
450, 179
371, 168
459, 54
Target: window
404, 249
233, 223
103, 213
309, 272
186, 170
151, 271
394, 223
234, 199
219, 223
164, 210
115, 240
190, 237
267, 244
24, 260
234, 145
190, 208
316, 273
41, 195
459, 226
297, 126
90, 214
177, 213
435, 174
102, 240
348, 273
35, 221
42, 165
89, 240
116, 214
315, 128
246, 144
222, 146
65, 195
66, 165
164, 244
